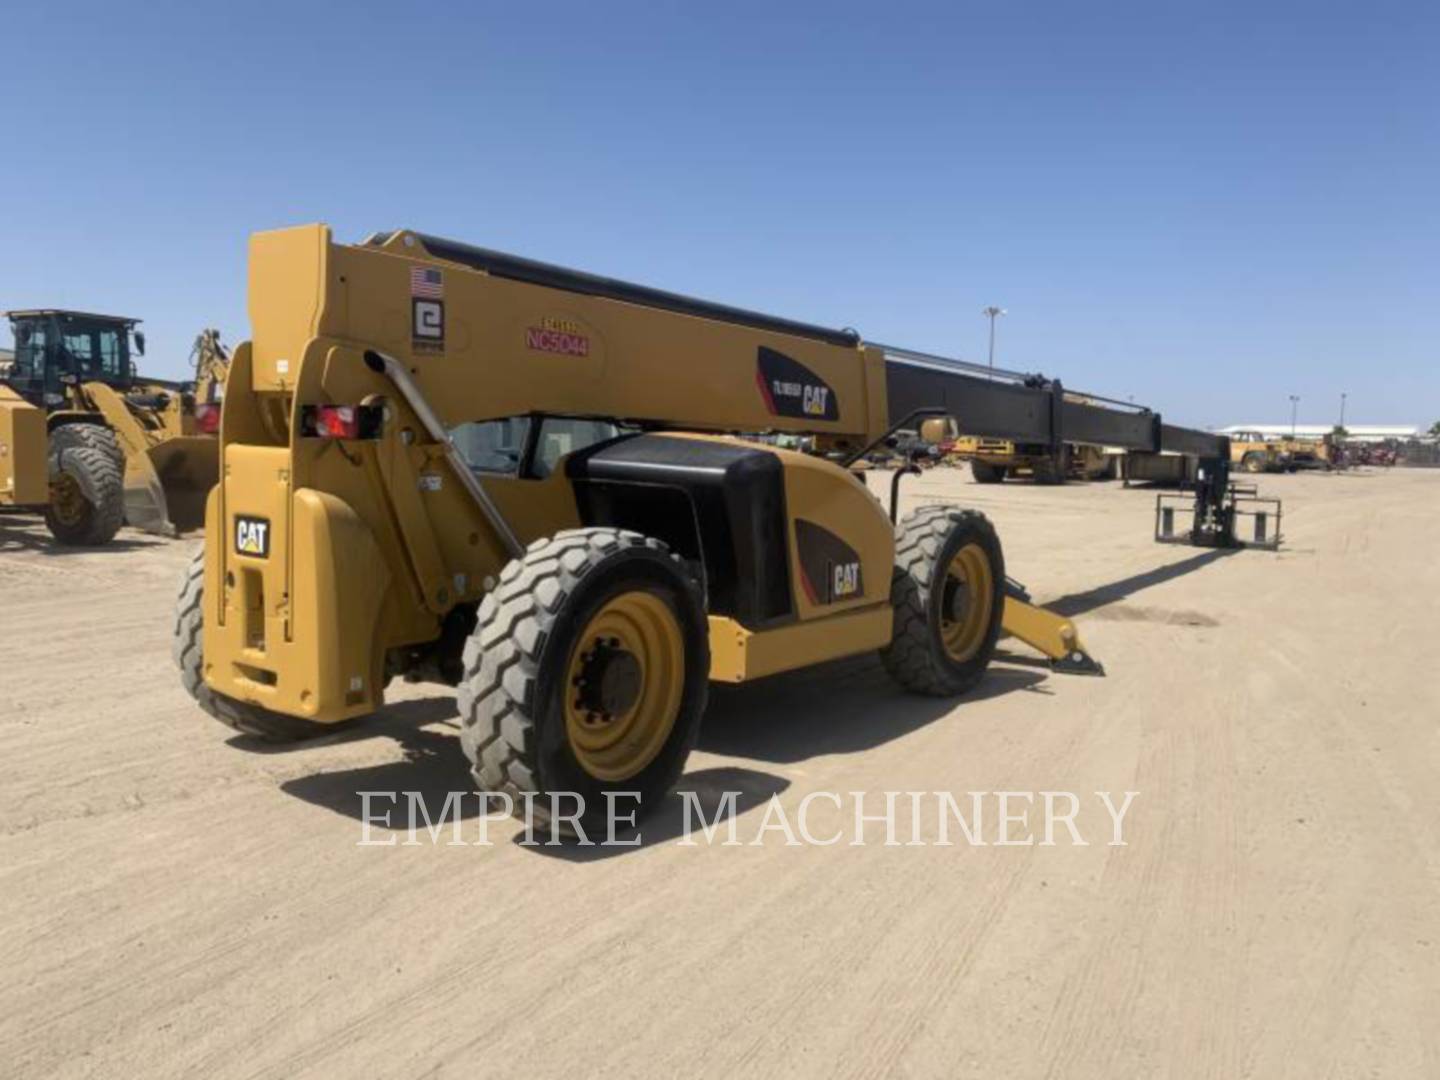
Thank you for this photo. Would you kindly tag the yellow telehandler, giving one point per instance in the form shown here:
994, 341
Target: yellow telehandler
443, 462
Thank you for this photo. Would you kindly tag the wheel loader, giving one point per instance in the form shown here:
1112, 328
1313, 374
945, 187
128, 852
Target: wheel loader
71, 474
445, 463
79, 368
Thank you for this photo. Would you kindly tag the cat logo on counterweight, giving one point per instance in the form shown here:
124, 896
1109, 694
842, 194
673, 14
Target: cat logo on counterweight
252, 537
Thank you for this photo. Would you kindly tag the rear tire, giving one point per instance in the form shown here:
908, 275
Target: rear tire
87, 489
946, 625
536, 671
186, 649
985, 473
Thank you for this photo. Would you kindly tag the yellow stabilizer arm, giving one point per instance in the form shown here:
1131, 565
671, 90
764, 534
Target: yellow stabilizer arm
1054, 635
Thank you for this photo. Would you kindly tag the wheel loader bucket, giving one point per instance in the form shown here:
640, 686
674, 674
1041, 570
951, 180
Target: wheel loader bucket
166, 485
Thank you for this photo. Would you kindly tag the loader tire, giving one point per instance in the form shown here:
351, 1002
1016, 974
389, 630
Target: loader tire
99, 437
1253, 462
948, 592
985, 473
587, 673
87, 487
185, 647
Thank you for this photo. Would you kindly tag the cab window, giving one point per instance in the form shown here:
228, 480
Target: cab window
499, 446
560, 436
493, 446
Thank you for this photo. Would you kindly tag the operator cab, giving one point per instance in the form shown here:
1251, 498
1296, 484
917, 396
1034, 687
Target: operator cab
56, 348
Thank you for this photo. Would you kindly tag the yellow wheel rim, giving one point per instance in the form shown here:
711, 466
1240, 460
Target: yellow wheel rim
623, 685
966, 600
67, 502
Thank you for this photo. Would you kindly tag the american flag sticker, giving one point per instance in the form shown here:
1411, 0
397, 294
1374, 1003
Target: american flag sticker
427, 282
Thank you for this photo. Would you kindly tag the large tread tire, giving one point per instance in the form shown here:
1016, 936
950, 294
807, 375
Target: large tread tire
185, 648
99, 437
511, 696
985, 473
925, 542
90, 457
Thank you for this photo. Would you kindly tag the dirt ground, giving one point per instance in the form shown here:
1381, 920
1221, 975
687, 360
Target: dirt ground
175, 901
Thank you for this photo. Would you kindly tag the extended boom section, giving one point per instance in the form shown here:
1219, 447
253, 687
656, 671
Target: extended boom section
1031, 408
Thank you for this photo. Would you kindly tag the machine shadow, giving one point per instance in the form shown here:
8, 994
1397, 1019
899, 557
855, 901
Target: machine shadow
30, 534
709, 792
844, 707
433, 772
1079, 603
431, 763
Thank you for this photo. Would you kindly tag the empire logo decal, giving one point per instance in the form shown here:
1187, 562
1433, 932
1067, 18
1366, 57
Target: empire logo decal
562, 336
252, 536
427, 309
830, 569
428, 324
792, 390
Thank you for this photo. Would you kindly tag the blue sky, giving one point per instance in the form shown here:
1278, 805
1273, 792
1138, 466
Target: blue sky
1208, 206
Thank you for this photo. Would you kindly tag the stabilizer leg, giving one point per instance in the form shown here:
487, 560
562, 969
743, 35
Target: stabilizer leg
1054, 635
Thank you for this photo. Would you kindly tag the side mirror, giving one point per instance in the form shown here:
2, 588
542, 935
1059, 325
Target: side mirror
935, 430
140, 342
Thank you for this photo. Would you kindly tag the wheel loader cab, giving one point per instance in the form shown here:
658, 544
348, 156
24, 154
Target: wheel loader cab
57, 349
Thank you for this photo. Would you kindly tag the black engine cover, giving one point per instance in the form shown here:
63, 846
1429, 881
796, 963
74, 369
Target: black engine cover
715, 502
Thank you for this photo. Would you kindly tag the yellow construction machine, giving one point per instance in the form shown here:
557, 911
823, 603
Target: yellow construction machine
442, 462
79, 368
1253, 453
71, 474
994, 460
211, 361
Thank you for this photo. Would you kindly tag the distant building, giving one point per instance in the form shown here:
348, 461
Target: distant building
1365, 433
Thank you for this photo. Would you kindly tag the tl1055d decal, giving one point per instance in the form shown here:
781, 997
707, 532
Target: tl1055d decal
557, 335
791, 389
829, 567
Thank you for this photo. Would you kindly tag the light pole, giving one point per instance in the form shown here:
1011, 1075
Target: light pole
1294, 407
1343, 396
991, 313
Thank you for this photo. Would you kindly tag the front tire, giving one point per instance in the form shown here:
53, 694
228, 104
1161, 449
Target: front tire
948, 592
87, 486
587, 673
100, 438
186, 648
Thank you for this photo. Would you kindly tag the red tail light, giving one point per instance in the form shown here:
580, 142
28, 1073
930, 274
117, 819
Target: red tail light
207, 419
341, 421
